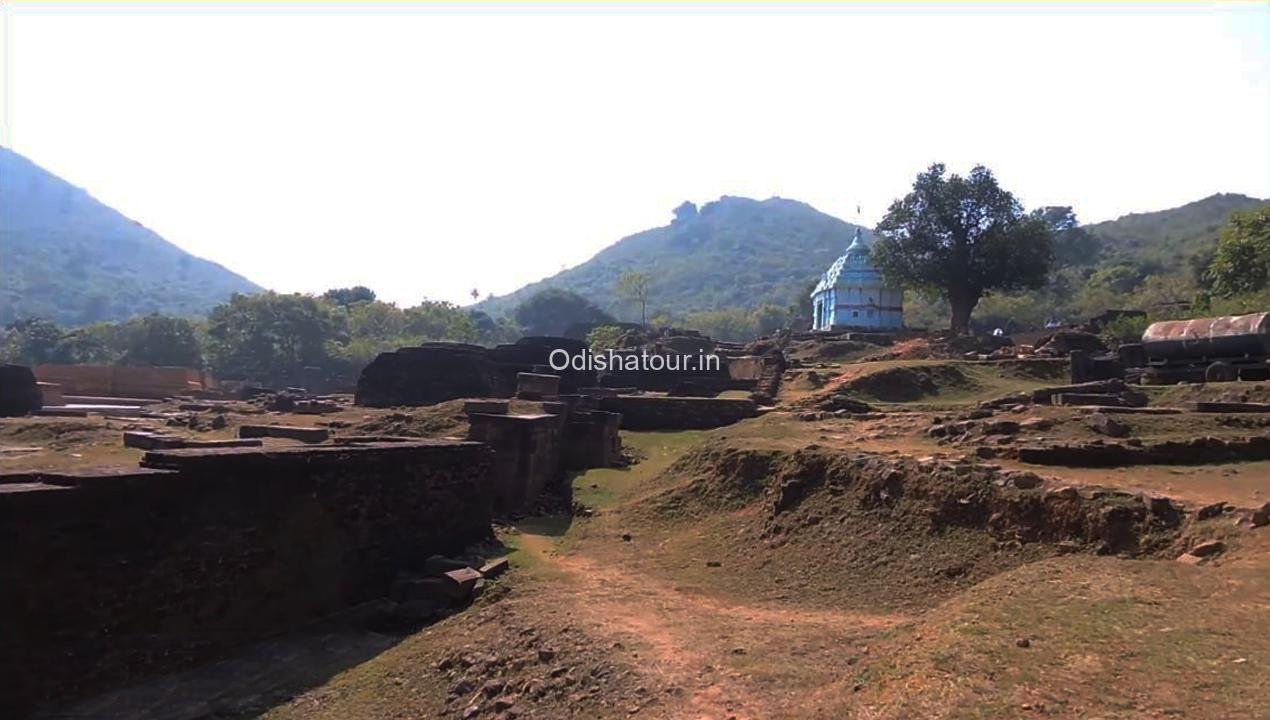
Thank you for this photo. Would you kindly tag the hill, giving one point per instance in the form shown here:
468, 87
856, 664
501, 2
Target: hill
733, 253
67, 257
1168, 238
741, 253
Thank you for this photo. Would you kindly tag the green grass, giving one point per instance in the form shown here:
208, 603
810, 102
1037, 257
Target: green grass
606, 487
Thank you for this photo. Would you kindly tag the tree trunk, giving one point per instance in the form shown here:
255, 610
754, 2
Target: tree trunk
963, 303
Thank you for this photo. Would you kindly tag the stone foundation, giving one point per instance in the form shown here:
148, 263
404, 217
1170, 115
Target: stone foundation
652, 412
527, 455
110, 576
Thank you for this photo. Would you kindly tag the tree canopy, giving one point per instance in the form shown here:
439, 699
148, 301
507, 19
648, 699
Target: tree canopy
551, 311
961, 238
1241, 263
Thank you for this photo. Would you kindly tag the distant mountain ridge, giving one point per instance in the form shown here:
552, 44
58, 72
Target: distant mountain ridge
68, 257
734, 252
740, 253
1171, 236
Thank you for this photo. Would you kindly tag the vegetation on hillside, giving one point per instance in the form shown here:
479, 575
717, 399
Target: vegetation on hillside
729, 267
1156, 262
732, 254
69, 258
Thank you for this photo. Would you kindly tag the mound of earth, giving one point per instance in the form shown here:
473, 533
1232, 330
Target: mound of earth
896, 383
440, 420
811, 351
941, 346
1079, 637
888, 530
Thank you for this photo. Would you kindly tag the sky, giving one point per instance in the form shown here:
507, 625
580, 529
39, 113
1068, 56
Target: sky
427, 150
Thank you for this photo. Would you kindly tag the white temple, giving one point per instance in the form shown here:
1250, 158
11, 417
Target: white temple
852, 294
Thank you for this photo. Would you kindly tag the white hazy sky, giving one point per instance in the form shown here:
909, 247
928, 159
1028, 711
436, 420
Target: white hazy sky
425, 152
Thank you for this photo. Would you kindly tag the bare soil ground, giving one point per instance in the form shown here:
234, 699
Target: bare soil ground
694, 616
717, 578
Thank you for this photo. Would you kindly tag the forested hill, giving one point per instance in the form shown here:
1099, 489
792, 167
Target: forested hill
735, 253
67, 257
1169, 237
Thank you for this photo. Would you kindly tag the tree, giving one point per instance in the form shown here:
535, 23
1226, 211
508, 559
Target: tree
439, 320
1242, 261
603, 337
158, 340
347, 297
633, 286
551, 311
32, 341
961, 238
1074, 246
96, 344
270, 337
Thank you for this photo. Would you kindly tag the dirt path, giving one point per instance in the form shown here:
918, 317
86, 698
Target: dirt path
729, 660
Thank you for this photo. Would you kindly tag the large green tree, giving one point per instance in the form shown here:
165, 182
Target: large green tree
1242, 261
961, 238
270, 337
159, 340
552, 311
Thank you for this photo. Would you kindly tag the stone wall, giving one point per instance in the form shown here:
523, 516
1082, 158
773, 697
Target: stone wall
527, 455
108, 577
425, 375
436, 372
19, 392
592, 439
130, 382
652, 412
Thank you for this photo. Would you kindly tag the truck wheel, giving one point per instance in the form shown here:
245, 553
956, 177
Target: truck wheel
1220, 372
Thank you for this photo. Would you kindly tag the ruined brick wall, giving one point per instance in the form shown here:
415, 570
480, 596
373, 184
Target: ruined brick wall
651, 412
109, 577
592, 439
528, 454
135, 382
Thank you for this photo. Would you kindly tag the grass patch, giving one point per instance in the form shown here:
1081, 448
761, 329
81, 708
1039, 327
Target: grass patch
607, 487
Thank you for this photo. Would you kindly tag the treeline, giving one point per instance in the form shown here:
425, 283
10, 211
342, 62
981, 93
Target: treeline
555, 311
271, 338
1230, 277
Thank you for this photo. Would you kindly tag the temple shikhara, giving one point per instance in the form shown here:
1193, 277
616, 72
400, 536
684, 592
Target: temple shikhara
853, 294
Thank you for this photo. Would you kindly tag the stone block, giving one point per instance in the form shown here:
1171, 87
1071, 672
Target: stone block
440, 565
1230, 407
459, 583
292, 432
1085, 399
19, 393
652, 412
535, 386
495, 567
493, 407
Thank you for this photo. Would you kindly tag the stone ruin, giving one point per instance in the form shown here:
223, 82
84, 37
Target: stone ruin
435, 372
440, 371
19, 392
113, 575
110, 576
